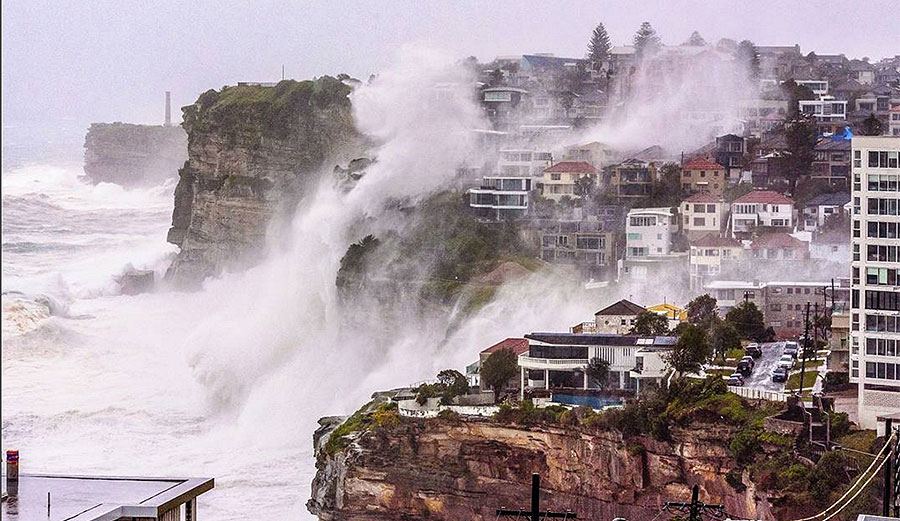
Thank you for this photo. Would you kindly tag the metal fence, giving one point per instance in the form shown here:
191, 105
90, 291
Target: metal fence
758, 394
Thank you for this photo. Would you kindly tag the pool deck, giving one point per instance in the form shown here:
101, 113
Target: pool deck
97, 498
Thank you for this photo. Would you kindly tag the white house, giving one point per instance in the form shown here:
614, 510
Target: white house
500, 198
649, 231
560, 359
523, 162
826, 108
761, 208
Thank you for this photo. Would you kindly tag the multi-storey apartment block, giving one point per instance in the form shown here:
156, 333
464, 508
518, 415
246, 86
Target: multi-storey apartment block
875, 302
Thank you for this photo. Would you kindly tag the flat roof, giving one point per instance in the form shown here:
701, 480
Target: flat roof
95, 498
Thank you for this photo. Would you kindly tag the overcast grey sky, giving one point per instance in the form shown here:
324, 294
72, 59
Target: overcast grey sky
107, 60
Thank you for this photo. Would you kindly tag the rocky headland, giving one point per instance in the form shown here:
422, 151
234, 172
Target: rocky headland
133, 155
380, 465
253, 151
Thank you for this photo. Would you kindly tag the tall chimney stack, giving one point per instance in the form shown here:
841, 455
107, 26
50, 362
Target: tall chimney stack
168, 109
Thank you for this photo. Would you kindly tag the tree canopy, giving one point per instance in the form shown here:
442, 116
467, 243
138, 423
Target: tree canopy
497, 369
650, 323
691, 351
747, 319
598, 47
702, 310
646, 41
598, 370
800, 134
696, 40
748, 55
871, 126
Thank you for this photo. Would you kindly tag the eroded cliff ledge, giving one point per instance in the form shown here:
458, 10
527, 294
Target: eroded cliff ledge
133, 155
253, 151
449, 469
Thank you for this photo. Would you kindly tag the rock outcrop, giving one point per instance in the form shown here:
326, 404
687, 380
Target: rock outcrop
448, 469
253, 151
133, 155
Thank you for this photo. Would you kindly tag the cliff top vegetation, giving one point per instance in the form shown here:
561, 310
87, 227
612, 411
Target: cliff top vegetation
272, 110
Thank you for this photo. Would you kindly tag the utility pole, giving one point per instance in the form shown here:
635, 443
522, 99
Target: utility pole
804, 347
535, 514
695, 509
886, 495
895, 459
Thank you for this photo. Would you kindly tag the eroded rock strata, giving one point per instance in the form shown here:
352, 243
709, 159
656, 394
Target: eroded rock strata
253, 151
466, 469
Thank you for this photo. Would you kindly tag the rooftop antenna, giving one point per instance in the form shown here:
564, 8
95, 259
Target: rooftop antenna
282, 72
168, 109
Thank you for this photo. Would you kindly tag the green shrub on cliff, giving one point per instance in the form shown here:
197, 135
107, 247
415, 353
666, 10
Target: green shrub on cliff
270, 110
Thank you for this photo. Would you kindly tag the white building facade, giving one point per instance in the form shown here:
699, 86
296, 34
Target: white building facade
875, 277
648, 232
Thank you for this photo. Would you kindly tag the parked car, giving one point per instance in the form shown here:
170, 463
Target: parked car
780, 374
753, 350
792, 348
744, 368
749, 359
736, 379
786, 361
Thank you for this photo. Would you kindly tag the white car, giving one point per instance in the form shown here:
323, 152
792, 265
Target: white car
786, 361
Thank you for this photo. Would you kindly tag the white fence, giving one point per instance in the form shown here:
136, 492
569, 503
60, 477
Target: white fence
758, 394
412, 409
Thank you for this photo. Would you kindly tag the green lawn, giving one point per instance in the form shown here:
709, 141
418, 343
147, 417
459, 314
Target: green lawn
808, 380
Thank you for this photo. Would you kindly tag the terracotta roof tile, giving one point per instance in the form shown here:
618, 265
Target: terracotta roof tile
578, 167
764, 197
516, 345
701, 163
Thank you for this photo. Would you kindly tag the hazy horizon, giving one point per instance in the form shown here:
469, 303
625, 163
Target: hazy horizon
113, 62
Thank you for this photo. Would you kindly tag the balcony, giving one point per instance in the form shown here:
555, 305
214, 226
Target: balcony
557, 364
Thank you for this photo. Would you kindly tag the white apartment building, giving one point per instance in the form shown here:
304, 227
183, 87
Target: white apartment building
499, 198
875, 277
523, 162
826, 108
818, 87
649, 231
761, 208
648, 245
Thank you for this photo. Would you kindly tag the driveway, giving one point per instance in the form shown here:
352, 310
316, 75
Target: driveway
761, 377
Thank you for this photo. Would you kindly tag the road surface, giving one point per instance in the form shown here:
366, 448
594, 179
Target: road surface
761, 377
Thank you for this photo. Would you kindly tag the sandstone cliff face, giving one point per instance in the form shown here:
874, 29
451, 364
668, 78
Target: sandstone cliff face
253, 151
445, 469
133, 155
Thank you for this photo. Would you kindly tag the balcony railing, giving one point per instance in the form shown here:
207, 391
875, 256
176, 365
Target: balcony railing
552, 363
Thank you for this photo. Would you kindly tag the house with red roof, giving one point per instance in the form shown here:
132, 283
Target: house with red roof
518, 346
703, 214
761, 209
702, 175
566, 177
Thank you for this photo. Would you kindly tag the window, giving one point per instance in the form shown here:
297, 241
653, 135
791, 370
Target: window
883, 300
883, 159
882, 230
555, 177
857, 160
699, 208
699, 221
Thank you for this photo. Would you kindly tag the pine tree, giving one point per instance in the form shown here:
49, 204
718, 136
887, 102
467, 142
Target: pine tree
696, 40
646, 40
598, 48
748, 55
